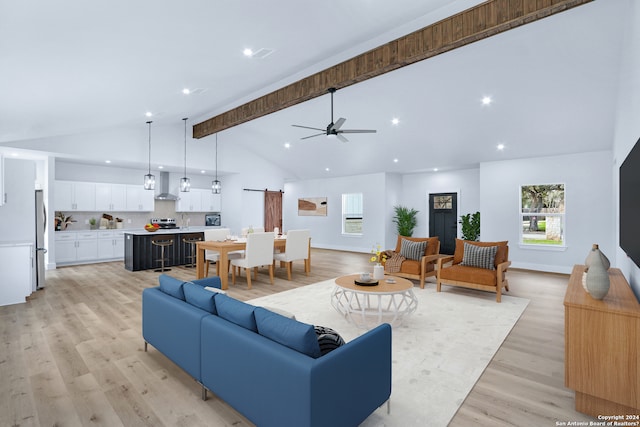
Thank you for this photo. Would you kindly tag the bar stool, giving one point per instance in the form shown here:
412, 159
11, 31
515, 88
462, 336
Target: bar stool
190, 240
162, 242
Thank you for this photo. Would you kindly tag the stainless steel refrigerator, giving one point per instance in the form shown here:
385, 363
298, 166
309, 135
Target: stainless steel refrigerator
41, 224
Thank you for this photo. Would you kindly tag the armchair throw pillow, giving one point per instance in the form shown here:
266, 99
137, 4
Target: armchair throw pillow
479, 256
412, 250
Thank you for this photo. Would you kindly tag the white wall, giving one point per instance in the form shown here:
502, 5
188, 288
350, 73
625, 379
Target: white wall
589, 216
627, 130
417, 187
326, 231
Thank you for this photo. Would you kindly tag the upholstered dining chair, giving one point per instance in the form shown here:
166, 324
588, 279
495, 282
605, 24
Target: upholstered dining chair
259, 252
297, 248
213, 256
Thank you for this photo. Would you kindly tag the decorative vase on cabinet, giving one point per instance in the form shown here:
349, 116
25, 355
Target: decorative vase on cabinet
595, 252
597, 279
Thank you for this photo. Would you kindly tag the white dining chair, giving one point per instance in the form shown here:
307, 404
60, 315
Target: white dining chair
297, 248
217, 234
259, 252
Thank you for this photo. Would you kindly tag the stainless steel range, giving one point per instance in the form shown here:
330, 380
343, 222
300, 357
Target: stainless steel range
164, 222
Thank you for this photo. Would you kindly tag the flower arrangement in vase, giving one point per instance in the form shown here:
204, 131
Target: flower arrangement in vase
377, 256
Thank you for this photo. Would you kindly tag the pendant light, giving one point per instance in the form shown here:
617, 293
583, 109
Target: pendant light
216, 186
149, 180
185, 183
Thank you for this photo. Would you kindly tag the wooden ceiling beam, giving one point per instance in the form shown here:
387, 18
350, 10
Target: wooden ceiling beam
477, 23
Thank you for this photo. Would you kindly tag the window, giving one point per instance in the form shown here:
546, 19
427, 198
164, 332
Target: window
352, 213
542, 215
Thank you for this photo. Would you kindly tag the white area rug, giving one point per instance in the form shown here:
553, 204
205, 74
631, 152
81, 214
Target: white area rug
438, 353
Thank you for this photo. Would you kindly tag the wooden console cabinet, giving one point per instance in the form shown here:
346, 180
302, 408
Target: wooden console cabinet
602, 345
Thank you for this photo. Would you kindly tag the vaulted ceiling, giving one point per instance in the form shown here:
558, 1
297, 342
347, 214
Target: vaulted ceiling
83, 67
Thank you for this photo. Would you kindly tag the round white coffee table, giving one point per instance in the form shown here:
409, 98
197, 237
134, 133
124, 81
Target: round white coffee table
369, 306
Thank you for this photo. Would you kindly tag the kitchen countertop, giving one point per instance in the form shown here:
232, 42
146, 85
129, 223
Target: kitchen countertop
143, 232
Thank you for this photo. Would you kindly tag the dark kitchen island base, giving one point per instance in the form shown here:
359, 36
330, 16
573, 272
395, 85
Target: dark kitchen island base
140, 254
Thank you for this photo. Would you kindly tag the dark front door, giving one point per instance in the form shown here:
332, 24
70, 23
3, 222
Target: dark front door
443, 221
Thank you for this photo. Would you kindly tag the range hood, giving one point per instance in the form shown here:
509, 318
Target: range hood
164, 188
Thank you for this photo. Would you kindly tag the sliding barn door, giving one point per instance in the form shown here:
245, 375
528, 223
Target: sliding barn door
272, 210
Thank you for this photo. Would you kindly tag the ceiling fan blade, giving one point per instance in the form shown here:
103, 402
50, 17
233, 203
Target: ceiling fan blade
358, 131
342, 138
311, 136
307, 127
339, 123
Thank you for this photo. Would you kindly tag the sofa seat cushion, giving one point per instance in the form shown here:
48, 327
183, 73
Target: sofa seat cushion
288, 332
462, 273
235, 311
198, 296
410, 266
171, 286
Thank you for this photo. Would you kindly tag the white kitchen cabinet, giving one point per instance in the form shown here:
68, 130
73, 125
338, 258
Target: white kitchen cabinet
138, 199
74, 196
210, 201
190, 201
111, 197
111, 244
76, 247
16, 264
198, 200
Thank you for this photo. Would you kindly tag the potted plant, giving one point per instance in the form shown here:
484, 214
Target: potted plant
470, 226
406, 220
92, 223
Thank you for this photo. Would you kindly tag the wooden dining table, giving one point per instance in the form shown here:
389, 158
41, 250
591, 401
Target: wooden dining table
224, 247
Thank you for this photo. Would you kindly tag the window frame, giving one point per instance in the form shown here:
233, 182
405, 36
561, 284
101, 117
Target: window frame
562, 215
349, 212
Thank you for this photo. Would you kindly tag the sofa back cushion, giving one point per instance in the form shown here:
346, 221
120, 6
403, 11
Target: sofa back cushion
235, 311
502, 251
208, 282
171, 286
288, 332
198, 296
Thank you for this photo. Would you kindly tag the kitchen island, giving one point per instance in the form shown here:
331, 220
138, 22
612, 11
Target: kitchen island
140, 254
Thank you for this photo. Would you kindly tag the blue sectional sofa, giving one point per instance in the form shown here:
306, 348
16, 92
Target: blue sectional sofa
265, 365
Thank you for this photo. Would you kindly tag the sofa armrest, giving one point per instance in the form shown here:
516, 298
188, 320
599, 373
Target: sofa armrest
443, 260
501, 269
366, 363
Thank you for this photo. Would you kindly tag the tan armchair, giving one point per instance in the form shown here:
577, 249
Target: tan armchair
417, 269
474, 277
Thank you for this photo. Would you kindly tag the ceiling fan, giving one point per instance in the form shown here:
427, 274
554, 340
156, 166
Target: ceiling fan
334, 129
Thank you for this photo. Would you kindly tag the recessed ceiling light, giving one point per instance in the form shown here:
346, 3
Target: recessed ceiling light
435, 169
247, 52
500, 147
148, 114
327, 169
287, 145
186, 91
203, 171
107, 161
395, 121
486, 100
160, 167
395, 160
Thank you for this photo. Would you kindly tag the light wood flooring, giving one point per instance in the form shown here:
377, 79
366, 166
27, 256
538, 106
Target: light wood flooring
73, 354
